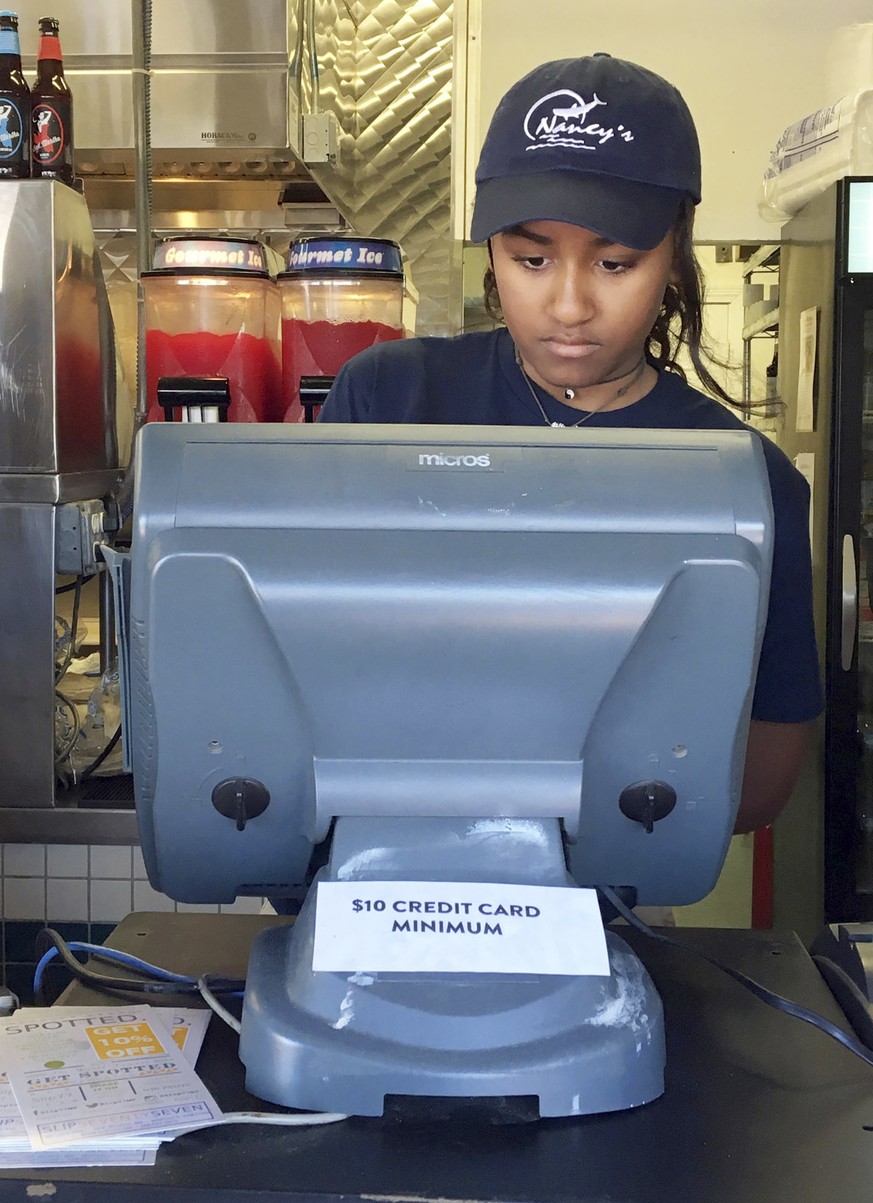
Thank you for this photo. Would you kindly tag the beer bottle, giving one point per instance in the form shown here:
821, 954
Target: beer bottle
51, 110
14, 104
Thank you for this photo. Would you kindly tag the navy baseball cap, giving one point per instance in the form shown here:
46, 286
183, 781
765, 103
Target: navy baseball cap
598, 142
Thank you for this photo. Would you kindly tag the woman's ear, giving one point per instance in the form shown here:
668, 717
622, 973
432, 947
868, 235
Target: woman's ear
492, 296
675, 277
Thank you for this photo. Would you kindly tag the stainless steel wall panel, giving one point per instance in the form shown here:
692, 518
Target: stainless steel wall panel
58, 441
99, 27
385, 70
244, 109
102, 28
54, 334
219, 27
43, 488
27, 430
27, 606
103, 112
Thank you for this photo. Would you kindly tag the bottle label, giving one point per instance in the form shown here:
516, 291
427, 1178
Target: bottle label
49, 133
50, 47
9, 42
11, 128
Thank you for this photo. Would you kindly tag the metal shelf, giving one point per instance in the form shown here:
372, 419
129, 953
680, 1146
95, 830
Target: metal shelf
765, 258
767, 322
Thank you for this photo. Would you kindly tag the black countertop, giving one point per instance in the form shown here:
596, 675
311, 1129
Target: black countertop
759, 1107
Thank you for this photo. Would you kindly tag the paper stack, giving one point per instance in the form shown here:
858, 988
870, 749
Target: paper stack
99, 1086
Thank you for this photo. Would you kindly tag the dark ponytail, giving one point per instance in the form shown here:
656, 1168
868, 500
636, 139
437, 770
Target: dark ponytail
680, 321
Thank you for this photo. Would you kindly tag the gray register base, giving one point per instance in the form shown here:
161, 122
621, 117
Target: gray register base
759, 1107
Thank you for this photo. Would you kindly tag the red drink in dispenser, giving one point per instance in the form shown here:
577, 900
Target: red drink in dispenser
339, 296
212, 310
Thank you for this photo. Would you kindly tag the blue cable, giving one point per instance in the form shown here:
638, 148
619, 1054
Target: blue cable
110, 954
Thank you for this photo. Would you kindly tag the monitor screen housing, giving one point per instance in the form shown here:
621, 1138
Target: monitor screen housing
406, 621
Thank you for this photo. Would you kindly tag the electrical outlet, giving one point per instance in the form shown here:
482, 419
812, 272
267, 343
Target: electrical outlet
79, 530
320, 138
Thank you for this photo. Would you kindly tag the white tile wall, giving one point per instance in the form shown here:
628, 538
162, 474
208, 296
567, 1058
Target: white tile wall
24, 898
66, 860
78, 882
147, 899
109, 899
24, 860
111, 863
66, 900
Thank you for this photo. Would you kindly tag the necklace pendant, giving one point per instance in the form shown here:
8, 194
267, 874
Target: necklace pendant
558, 425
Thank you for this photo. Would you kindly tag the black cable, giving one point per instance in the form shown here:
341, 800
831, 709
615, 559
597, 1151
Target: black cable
62, 753
79, 581
49, 938
768, 996
852, 999
98, 760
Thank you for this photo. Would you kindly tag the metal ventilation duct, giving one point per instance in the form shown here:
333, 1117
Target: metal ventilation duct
220, 82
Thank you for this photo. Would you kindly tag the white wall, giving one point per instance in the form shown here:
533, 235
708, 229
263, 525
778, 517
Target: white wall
747, 68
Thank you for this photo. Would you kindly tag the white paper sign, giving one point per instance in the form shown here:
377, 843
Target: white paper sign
457, 927
805, 415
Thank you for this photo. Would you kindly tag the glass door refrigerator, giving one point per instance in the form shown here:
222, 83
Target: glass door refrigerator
826, 380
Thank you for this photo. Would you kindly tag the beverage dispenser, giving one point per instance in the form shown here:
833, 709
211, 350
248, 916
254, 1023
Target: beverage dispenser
339, 295
211, 309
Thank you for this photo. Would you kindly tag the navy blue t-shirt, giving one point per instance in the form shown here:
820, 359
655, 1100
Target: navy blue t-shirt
473, 379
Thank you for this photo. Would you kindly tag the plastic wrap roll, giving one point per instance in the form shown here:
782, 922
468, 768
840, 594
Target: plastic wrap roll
811, 154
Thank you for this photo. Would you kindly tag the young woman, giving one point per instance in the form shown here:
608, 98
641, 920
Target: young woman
586, 188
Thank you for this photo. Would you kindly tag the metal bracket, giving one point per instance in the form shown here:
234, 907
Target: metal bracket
79, 530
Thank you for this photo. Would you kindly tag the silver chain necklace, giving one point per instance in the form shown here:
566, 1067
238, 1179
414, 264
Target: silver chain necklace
569, 394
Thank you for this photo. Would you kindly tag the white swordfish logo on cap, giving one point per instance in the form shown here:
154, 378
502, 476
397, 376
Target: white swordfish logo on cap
561, 119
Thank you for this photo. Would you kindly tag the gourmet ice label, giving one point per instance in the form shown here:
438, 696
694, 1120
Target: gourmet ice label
457, 927
11, 128
321, 254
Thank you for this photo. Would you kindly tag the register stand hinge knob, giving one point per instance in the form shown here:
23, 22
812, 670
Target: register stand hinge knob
647, 801
240, 799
